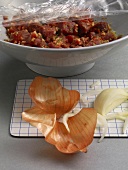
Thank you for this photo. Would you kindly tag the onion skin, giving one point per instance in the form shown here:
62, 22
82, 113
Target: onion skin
50, 96
40, 119
53, 101
82, 127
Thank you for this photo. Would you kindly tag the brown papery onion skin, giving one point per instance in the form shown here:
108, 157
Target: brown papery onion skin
40, 119
82, 127
53, 101
49, 95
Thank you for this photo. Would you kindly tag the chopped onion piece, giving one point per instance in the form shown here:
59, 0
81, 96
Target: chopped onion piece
101, 121
117, 115
125, 125
92, 92
84, 100
83, 97
67, 115
120, 115
95, 84
109, 99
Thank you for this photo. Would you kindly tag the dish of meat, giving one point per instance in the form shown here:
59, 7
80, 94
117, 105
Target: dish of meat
67, 34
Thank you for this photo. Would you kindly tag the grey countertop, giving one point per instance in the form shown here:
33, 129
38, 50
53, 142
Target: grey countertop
35, 153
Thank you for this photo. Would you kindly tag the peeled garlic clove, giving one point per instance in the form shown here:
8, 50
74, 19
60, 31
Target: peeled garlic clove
109, 99
49, 95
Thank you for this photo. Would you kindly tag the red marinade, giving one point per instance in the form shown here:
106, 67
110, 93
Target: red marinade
68, 34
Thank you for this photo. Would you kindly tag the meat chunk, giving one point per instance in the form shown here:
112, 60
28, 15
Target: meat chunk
100, 27
84, 26
68, 28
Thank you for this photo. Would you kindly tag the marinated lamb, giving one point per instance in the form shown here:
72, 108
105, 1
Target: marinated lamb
67, 34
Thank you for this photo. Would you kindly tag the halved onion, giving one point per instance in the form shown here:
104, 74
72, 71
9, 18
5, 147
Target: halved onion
50, 96
81, 126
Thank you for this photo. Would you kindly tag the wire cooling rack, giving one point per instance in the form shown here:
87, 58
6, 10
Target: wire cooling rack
22, 101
